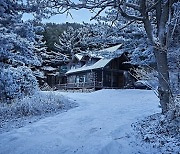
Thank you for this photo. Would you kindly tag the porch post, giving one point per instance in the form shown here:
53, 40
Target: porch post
94, 80
111, 78
102, 77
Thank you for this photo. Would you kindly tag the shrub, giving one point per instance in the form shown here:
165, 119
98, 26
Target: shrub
38, 104
16, 83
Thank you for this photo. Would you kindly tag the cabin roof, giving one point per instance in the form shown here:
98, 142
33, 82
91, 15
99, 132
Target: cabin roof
106, 52
99, 64
110, 49
105, 55
100, 53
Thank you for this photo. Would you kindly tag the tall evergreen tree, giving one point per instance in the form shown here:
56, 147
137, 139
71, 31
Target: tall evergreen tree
17, 53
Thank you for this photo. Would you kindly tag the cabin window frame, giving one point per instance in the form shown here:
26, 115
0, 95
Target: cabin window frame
80, 79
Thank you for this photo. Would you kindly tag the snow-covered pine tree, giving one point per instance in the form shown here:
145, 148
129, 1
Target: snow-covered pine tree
17, 46
99, 35
70, 41
88, 37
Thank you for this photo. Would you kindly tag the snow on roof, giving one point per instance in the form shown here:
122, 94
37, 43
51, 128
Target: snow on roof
99, 53
99, 64
49, 68
111, 49
54, 74
79, 56
39, 74
105, 52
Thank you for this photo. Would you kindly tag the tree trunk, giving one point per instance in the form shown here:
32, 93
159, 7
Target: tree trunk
162, 64
164, 81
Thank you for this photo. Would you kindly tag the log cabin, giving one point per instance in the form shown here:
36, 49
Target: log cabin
107, 68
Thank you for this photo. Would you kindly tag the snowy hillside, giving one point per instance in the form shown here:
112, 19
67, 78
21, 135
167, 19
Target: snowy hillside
101, 124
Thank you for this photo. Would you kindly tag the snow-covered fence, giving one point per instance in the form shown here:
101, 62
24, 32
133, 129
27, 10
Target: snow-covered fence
81, 85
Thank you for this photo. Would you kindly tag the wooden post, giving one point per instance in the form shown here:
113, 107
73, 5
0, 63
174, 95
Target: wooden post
94, 80
111, 79
102, 78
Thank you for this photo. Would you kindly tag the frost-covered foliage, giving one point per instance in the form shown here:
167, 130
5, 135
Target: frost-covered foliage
32, 108
163, 134
17, 45
175, 82
17, 39
174, 50
17, 50
147, 76
16, 82
87, 38
131, 34
142, 55
37, 104
174, 65
70, 41
40, 44
100, 35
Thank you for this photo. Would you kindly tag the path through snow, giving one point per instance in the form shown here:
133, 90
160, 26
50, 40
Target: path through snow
100, 125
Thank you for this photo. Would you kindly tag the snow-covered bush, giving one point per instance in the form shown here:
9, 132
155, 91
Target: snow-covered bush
16, 82
38, 104
142, 55
160, 132
147, 76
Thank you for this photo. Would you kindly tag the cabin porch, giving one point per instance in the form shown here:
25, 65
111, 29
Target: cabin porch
97, 79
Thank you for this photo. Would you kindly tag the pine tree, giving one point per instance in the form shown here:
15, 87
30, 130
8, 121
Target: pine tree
17, 53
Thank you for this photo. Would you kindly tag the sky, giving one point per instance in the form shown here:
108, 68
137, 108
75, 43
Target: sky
79, 16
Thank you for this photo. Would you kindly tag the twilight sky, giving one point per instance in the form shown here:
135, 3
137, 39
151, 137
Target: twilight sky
79, 16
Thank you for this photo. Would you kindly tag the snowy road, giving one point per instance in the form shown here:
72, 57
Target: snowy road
100, 125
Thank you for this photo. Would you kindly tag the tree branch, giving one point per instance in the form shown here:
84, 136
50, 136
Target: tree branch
134, 6
97, 13
130, 17
127, 25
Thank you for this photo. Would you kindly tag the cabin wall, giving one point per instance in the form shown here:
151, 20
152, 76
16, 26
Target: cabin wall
110, 78
113, 79
100, 79
81, 77
81, 80
52, 80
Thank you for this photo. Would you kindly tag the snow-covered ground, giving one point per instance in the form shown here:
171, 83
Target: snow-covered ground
32, 108
100, 125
